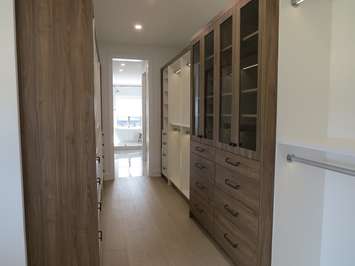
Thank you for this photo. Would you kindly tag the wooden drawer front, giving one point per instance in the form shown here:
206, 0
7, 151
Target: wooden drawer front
202, 168
238, 214
242, 252
201, 211
205, 151
201, 186
239, 187
237, 163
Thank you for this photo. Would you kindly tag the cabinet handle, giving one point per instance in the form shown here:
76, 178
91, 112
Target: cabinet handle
98, 181
234, 245
229, 161
200, 166
199, 185
232, 212
98, 159
199, 149
233, 144
230, 184
100, 235
99, 206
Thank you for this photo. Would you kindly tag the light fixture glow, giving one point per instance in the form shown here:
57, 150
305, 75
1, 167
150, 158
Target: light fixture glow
121, 70
138, 27
123, 64
126, 60
296, 3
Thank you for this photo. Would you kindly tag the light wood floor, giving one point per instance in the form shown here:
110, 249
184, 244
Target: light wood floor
146, 223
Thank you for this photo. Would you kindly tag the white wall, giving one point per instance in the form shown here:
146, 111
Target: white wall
12, 240
313, 215
303, 89
156, 57
339, 195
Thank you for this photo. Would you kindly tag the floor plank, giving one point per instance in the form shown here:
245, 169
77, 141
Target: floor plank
146, 222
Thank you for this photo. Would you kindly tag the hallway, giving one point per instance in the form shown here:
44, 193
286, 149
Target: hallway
146, 223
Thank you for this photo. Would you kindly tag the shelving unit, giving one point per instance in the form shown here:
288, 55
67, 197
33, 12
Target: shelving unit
165, 122
233, 136
176, 122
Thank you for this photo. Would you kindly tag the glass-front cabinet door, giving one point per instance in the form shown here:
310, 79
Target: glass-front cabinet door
249, 78
208, 86
196, 124
227, 98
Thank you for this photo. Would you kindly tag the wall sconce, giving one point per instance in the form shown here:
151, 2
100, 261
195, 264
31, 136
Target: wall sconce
296, 3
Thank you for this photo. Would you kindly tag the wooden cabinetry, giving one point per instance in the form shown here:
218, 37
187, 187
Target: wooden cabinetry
234, 74
56, 99
98, 140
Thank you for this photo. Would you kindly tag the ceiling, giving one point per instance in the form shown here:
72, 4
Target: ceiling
168, 23
127, 72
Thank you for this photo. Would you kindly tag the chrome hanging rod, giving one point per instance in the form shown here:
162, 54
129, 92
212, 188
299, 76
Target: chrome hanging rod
293, 158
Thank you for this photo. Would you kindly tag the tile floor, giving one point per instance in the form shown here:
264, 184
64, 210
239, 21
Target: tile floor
129, 163
146, 223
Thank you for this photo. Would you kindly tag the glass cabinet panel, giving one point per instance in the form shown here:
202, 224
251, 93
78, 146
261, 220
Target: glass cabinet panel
208, 85
196, 73
226, 81
248, 99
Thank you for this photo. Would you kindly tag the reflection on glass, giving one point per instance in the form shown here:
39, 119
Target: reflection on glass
226, 84
249, 75
209, 63
196, 89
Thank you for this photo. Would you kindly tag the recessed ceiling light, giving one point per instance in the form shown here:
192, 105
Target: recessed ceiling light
138, 27
123, 64
121, 70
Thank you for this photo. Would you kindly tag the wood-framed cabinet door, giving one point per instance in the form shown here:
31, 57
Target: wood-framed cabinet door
247, 79
196, 91
208, 87
226, 90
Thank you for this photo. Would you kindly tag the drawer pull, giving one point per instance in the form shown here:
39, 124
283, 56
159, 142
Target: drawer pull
229, 161
230, 184
98, 181
99, 206
234, 245
199, 185
232, 212
199, 149
233, 144
100, 235
200, 166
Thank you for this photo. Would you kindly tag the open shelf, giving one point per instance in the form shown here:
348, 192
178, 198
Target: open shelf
249, 91
225, 49
250, 67
255, 33
249, 115
173, 124
338, 146
209, 58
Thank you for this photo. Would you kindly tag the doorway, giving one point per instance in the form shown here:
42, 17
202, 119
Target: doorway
129, 116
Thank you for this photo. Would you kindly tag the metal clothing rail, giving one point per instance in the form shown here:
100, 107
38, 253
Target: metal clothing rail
347, 171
